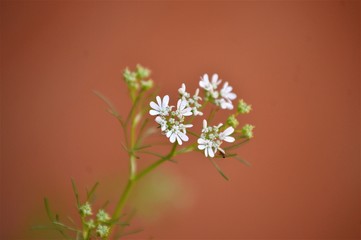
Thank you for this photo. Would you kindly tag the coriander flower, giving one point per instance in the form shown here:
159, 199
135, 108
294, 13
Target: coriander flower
211, 139
192, 102
172, 122
222, 98
207, 85
161, 108
243, 107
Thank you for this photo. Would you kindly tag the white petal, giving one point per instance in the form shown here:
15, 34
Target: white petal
201, 146
165, 101
206, 152
205, 77
159, 101
204, 123
153, 112
154, 106
159, 120
172, 138
179, 140
228, 131
229, 139
201, 141
214, 78
210, 152
188, 125
168, 134
183, 136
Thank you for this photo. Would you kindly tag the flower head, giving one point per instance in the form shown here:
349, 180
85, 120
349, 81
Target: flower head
192, 102
222, 98
172, 122
211, 139
161, 107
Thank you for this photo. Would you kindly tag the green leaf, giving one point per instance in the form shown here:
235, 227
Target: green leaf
75, 190
236, 145
243, 161
47, 208
219, 169
111, 109
92, 191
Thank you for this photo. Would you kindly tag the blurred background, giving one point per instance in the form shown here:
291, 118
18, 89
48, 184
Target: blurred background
297, 63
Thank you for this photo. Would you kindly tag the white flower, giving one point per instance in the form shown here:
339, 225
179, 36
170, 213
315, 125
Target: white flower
182, 109
207, 85
191, 102
226, 92
161, 108
206, 145
211, 140
178, 132
224, 136
172, 122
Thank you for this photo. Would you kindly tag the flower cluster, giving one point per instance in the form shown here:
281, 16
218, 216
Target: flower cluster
138, 78
100, 224
211, 139
192, 102
222, 98
172, 122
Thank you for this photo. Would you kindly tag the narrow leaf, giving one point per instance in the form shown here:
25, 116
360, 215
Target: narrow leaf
75, 190
218, 169
92, 191
243, 161
47, 208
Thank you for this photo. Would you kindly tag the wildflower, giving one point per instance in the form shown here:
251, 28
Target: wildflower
172, 122
102, 216
192, 102
102, 231
243, 107
211, 139
207, 85
161, 108
85, 210
222, 98
247, 130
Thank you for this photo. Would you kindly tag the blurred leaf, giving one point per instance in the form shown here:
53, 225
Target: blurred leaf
75, 190
47, 208
243, 161
92, 191
111, 109
218, 169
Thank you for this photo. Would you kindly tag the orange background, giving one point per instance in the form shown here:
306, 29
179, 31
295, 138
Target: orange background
297, 63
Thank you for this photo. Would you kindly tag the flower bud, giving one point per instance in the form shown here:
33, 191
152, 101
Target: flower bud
247, 130
102, 231
102, 216
146, 85
142, 72
243, 107
232, 121
129, 76
90, 224
85, 210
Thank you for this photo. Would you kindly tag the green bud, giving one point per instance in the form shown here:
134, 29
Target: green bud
243, 107
85, 210
232, 121
142, 72
129, 77
90, 224
247, 130
102, 216
146, 85
102, 231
